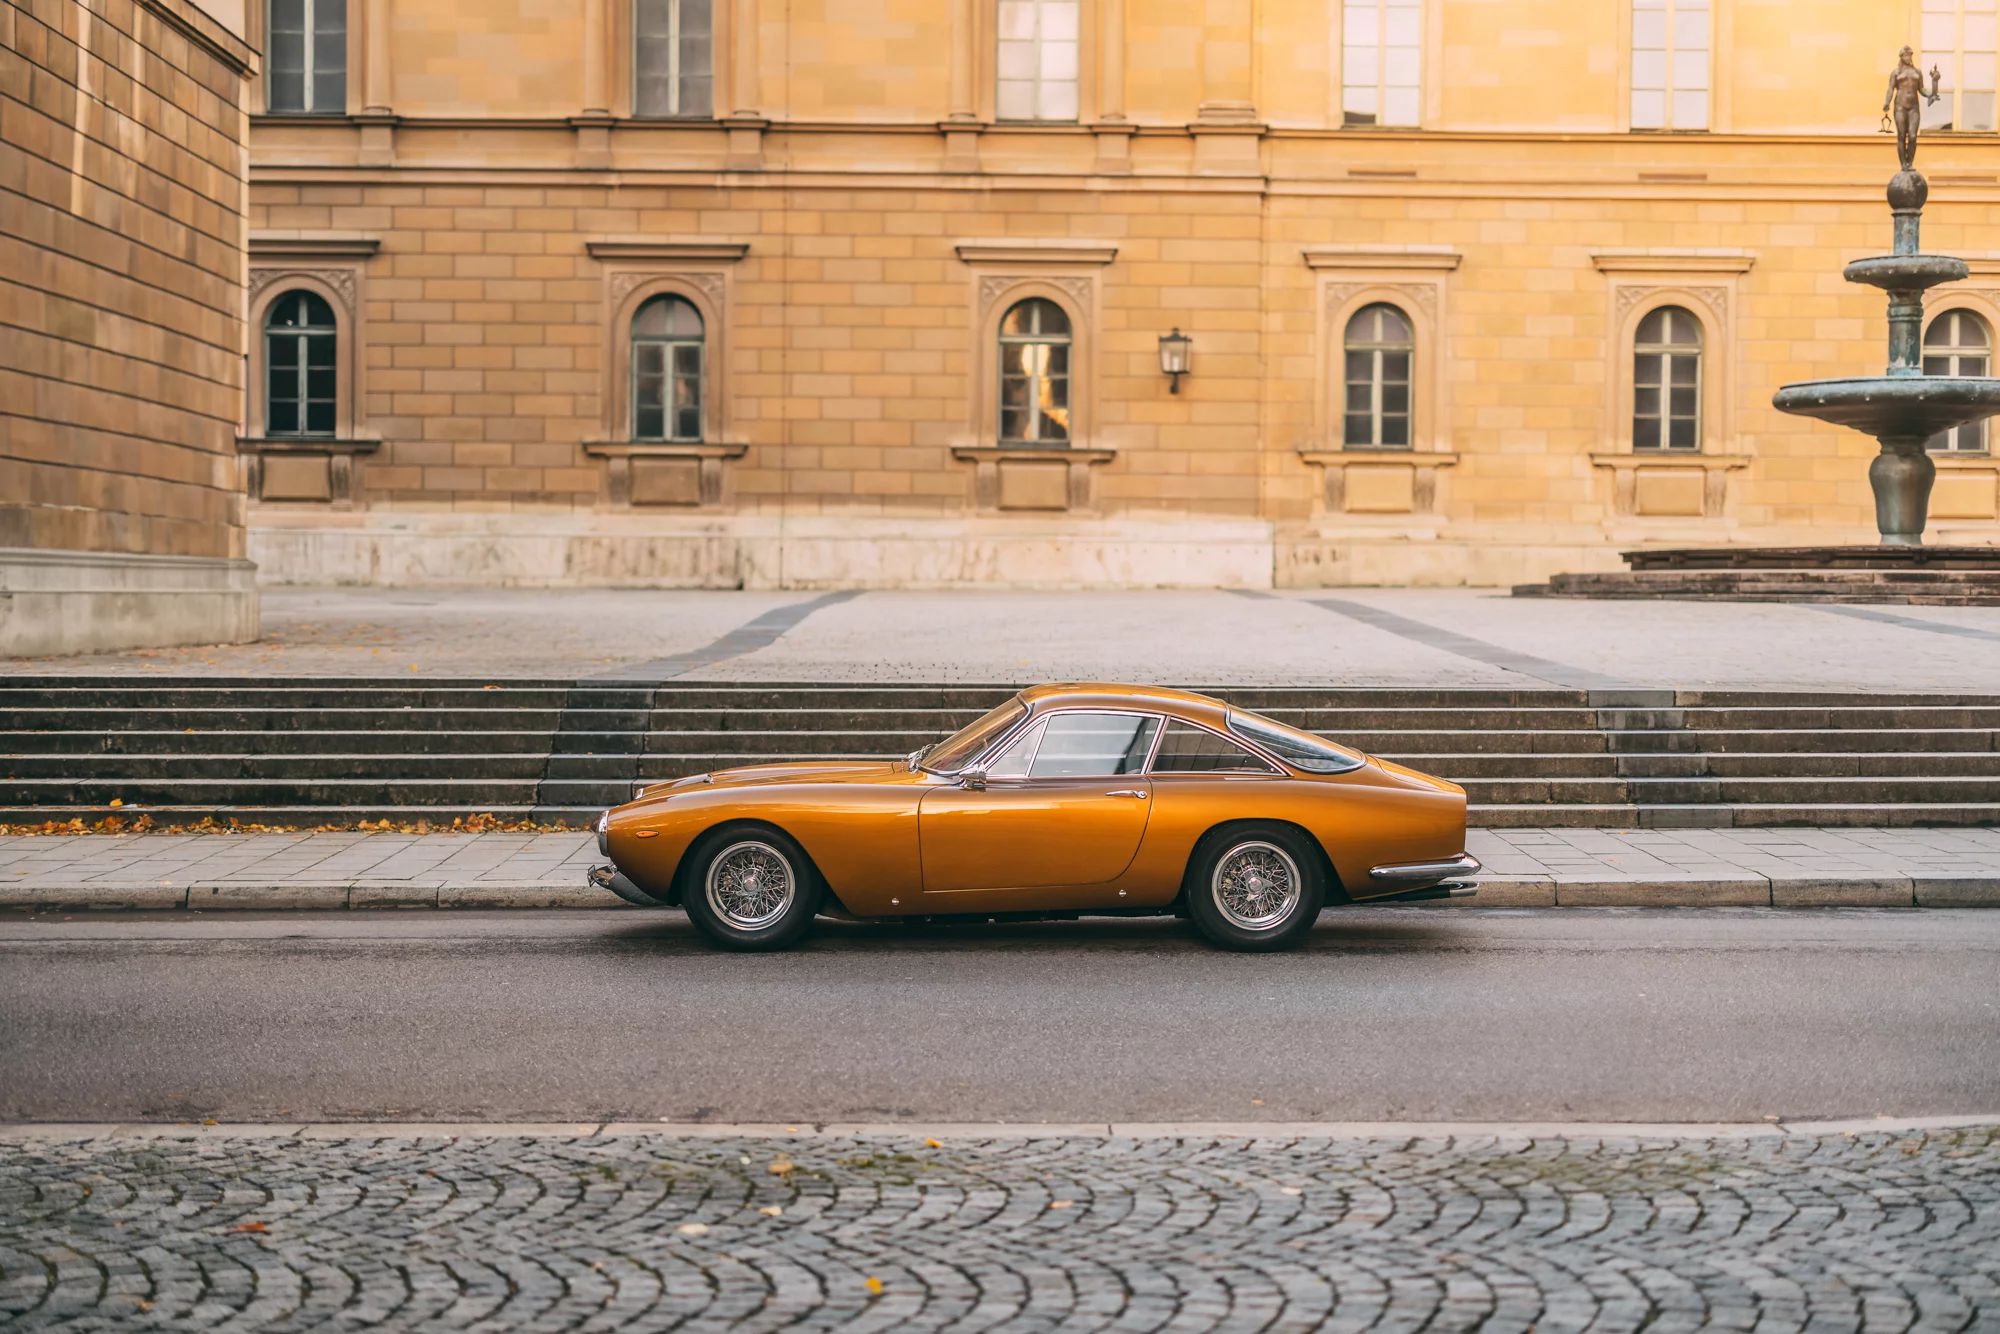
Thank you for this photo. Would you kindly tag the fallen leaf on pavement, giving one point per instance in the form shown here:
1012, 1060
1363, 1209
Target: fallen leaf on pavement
692, 1229
252, 1226
781, 1168
1061, 1204
772, 1210
874, 1284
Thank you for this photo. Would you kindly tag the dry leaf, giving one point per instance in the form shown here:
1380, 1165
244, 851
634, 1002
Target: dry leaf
252, 1226
781, 1168
932, 1144
692, 1229
874, 1284
772, 1210
118, 801
1061, 1204
1289, 1190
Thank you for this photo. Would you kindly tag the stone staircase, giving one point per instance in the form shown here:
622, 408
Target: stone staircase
337, 751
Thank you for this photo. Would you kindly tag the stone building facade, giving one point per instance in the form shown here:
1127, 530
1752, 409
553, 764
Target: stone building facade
814, 294
122, 204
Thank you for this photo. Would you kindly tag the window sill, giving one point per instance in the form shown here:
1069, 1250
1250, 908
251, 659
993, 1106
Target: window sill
1396, 481
1662, 496
307, 444
685, 474
1031, 477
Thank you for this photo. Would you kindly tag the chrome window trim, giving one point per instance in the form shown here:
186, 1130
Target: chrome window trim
1288, 770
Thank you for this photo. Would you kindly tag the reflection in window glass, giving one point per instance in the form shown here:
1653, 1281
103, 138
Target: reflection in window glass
666, 370
1187, 749
961, 747
1666, 381
1958, 343
1034, 374
1094, 745
1961, 38
1381, 61
673, 58
1301, 750
306, 56
1670, 40
1013, 762
1378, 349
1037, 60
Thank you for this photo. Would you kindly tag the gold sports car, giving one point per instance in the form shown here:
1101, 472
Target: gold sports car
1066, 800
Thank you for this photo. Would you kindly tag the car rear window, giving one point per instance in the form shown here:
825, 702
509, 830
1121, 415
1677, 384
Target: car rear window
1301, 750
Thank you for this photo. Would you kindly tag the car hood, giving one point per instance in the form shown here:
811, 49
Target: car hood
826, 771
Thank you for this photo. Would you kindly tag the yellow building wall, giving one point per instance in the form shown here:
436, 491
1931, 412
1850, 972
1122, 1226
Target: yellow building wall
1521, 228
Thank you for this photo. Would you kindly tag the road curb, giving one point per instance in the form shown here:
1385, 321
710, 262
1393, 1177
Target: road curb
960, 1130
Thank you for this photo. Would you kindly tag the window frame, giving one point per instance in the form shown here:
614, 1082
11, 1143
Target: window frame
1669, 52
1038, 82
305, 337
633, 341
1954, 352
675, 88
1667, 352
1003, 340
1951, 61
1271, 770
308, 70
1377, 383
1381, 46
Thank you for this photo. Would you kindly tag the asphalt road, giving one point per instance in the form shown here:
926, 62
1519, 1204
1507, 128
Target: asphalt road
1394, 1014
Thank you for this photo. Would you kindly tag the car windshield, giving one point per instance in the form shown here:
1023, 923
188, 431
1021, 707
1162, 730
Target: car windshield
961, 747
1301, 750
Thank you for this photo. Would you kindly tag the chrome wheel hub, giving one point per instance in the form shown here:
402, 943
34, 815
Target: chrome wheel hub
750, 885
1256, 885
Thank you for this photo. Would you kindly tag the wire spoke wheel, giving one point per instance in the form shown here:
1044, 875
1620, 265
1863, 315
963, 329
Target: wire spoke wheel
750, 885
1256, 885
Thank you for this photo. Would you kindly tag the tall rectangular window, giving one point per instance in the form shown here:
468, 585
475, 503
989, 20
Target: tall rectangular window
1037, 60
1670, 44
1961, 38
673, 57
307, 56
1381, 62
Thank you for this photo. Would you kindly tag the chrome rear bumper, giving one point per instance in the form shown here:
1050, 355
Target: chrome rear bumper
1418, 875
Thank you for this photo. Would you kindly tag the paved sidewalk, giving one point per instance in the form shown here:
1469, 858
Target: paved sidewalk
1421, 637
1935, 868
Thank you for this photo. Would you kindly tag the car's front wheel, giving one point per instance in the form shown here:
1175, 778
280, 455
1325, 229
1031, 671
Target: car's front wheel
750, 889
1255, 887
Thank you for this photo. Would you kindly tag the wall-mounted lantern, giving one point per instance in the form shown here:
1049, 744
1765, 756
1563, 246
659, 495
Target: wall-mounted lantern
1174, 351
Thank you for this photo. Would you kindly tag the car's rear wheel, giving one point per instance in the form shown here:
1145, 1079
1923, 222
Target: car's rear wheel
1255, 887
750, 889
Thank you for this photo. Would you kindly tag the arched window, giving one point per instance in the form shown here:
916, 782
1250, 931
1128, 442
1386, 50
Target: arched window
301, 366
1958, 343
305, 67
1666, 381
1034, 374
666, 370
1379, 347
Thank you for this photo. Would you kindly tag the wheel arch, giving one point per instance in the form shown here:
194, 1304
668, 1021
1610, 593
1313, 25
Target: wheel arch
684, 871
1336, 892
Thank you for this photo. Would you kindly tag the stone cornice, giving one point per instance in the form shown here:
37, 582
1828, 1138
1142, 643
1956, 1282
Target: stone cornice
1673, 261
189, 20
1381, 257
1043, 250
312, 245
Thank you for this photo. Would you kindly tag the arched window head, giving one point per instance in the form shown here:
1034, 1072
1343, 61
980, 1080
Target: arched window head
301, 365
667, 361
1666, 381
1958, 343
1379, 346
1034, 374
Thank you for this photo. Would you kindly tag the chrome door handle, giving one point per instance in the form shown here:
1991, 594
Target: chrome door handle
1126, 792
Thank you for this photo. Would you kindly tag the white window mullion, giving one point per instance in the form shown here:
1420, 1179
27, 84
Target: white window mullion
674, 57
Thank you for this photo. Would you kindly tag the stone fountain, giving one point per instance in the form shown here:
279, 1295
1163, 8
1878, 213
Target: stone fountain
1902, 409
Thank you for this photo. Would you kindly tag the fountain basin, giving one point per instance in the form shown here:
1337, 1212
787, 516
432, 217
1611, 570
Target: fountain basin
1906, 273
1893, 407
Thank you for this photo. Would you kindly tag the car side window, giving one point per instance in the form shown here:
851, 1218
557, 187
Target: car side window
1094, 745
1187, 749
1020, 752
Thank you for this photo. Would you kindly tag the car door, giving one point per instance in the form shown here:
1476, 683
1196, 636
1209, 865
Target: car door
1064, 805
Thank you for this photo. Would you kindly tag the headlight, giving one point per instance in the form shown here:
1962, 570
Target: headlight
604, 834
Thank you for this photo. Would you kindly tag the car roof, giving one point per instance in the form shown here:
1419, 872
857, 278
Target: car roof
1113, 694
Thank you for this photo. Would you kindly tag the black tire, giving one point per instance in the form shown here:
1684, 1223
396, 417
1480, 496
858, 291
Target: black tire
1255, 887
733, 893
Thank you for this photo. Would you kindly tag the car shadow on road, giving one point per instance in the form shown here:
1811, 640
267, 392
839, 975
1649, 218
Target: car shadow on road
670, 932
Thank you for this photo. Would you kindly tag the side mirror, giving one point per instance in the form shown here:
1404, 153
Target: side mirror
973, 780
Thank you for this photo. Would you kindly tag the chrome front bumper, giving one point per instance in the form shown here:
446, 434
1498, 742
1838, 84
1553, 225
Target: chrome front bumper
1418, 875
611, 878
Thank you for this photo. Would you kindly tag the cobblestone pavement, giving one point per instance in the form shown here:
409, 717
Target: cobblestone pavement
1527, 867
1426, 637
1864, 1232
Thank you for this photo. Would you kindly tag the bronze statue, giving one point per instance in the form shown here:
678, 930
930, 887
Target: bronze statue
1906, 85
